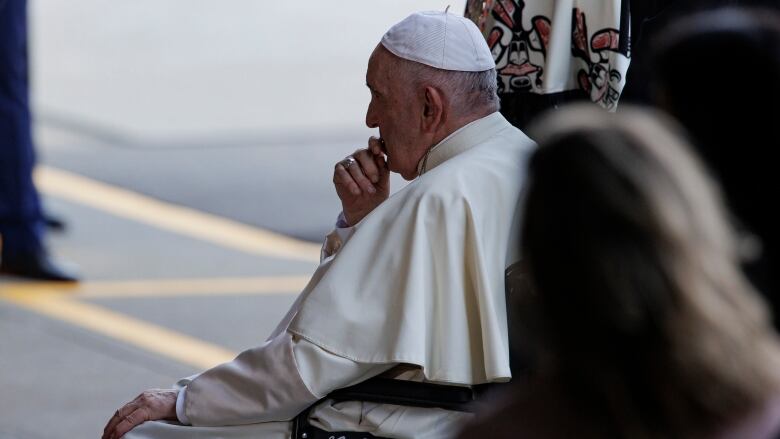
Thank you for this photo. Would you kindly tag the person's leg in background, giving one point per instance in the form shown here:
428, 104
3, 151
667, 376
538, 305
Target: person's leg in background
21, 220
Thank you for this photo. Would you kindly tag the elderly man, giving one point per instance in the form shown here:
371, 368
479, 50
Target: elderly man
410, 287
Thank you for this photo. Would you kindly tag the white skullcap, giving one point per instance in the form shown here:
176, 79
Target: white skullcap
441, 40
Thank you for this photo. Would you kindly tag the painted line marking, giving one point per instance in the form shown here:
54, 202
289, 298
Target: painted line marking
260, 285
177, 219
147, 336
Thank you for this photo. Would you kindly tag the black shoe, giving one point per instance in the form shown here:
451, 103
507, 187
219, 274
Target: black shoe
36, 266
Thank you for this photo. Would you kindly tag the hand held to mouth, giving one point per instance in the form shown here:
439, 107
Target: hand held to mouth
362, 181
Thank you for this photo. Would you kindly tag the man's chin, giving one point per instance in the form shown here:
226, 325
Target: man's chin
408, 176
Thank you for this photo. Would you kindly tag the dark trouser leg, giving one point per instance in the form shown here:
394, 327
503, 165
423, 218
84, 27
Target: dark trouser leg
20, 212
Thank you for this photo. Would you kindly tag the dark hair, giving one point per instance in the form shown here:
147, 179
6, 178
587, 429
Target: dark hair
634, 268
718, 73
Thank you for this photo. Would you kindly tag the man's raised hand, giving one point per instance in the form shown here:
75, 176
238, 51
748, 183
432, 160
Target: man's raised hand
362, 181
148, 406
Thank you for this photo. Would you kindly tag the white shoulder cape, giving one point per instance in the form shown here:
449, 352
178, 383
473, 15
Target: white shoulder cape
421, 280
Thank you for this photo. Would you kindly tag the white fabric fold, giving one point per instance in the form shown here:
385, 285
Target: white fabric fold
273, 382
261, 384
181, 415
323, 372
421, 280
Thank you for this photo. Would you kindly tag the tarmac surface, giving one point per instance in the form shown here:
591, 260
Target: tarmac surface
189, 146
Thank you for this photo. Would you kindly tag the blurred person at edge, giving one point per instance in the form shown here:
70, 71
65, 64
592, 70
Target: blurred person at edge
21, 220
631, 300
718, 74
650, 19
410, 287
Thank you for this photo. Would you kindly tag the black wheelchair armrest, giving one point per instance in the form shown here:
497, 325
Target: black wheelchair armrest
396, 392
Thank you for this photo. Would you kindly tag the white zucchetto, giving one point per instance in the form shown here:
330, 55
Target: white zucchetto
441, 40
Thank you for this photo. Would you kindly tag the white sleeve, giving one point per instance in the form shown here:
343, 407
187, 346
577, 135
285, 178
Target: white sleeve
180, 415
181, 385
324, 372
273, 382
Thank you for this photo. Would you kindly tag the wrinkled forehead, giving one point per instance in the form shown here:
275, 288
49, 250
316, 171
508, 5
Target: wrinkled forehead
382, 66
381, 60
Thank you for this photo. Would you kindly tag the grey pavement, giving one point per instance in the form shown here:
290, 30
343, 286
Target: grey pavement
234, 108
59, 380
281, 185
109, 248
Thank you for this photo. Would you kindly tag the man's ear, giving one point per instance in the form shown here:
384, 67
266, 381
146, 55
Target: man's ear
434, 110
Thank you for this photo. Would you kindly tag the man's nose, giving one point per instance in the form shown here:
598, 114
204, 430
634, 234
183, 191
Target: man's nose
371, 120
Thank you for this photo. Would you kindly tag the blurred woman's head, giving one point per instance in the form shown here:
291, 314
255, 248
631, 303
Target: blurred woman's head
635, 272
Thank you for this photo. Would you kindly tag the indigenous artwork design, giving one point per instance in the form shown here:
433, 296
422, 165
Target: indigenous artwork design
521, 49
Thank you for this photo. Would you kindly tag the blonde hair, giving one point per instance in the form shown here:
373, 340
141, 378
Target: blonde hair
637, 274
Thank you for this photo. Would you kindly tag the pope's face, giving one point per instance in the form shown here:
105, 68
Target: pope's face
395, 111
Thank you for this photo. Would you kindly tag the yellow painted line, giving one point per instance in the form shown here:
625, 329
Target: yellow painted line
153, 338
178, 219
164, 287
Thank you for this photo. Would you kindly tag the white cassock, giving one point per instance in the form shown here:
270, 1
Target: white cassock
414, 291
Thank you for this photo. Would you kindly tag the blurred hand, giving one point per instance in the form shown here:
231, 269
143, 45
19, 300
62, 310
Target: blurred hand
362, 183
148, 406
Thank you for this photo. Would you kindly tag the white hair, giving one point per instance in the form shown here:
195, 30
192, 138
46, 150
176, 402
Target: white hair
466, 91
